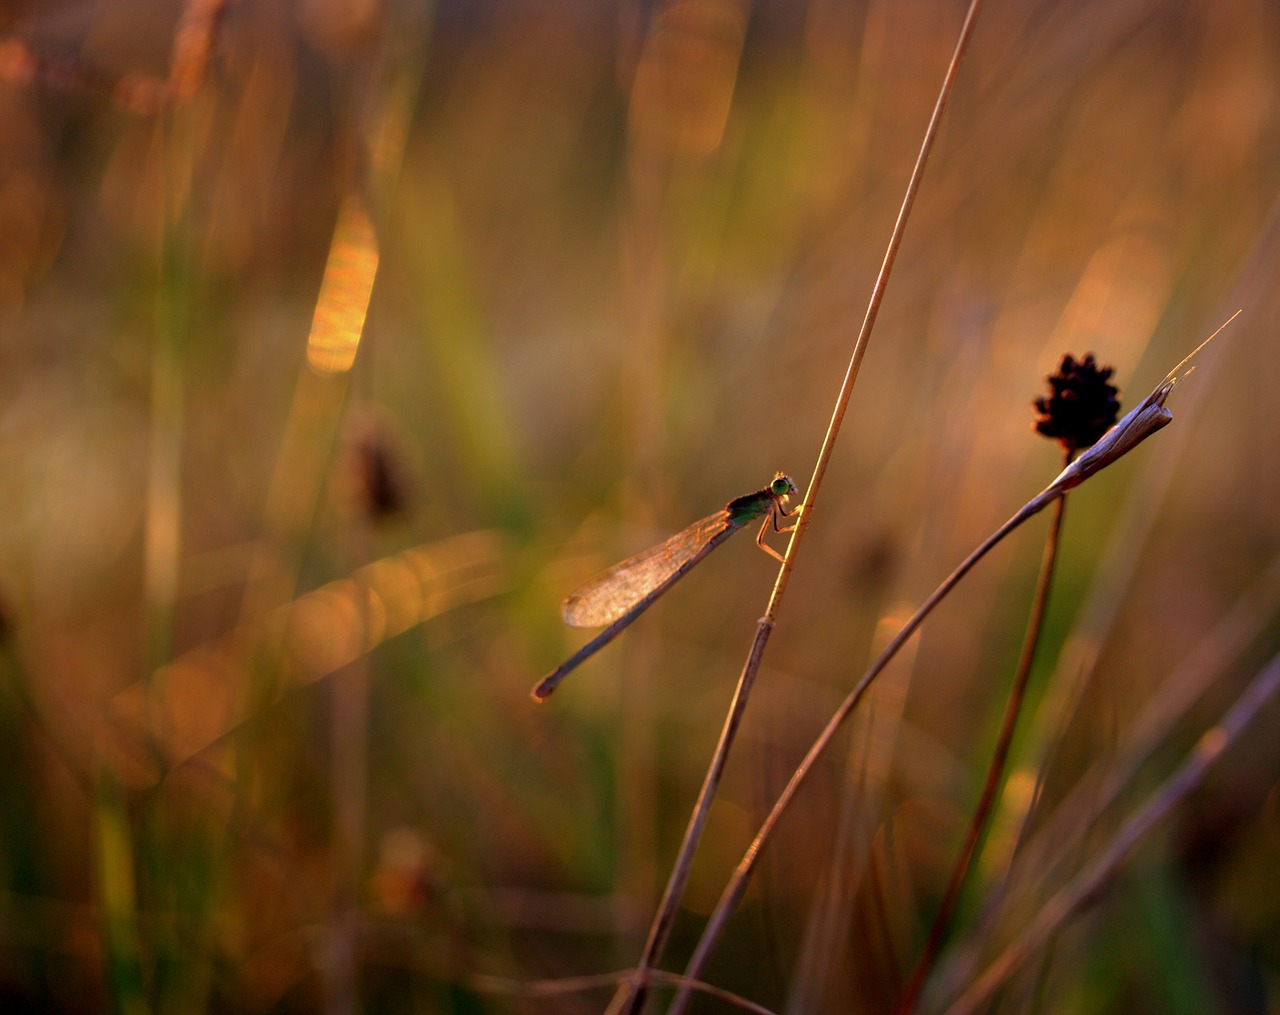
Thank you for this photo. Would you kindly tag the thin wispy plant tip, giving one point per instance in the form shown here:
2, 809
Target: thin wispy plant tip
1137, 425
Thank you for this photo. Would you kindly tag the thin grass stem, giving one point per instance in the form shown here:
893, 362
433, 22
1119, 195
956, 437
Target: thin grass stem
630, 996
1072, 898
995, 770
1102, 786
562, 987
1148, 417
737, 885
1061, 832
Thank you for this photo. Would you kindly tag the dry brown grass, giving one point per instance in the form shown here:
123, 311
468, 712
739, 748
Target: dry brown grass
607, 262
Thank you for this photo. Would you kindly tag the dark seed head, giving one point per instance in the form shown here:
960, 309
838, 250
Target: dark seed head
374, 478
1082, 405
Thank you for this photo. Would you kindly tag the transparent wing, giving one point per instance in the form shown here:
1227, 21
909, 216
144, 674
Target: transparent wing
611, 593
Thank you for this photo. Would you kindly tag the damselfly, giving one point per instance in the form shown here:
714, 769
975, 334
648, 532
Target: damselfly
619, 595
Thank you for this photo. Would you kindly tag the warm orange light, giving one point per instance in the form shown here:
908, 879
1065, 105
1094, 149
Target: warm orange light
685, 79
344, 292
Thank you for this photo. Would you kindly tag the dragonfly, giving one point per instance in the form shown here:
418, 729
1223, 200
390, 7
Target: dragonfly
617, 596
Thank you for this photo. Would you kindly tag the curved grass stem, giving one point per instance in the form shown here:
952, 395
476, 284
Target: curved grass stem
1136, 426
737, 885
995, 770
1073, 897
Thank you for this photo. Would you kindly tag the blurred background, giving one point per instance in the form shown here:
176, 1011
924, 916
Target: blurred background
341, 341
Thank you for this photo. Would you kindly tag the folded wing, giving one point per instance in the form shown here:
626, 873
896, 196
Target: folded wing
612, 592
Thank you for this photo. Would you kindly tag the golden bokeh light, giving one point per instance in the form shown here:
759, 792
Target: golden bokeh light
345, 290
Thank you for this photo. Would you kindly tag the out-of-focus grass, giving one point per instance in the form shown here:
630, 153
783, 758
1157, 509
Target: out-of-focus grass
621, 256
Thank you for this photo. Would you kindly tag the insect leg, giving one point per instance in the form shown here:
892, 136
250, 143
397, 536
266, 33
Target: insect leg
764, 527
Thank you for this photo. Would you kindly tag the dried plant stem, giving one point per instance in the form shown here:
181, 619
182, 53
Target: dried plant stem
348, 772
548, 989
1103, 785
630, 995
1071, 899
1148, 417
995, 770
737, 885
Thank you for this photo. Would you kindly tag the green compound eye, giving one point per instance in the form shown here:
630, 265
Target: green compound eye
782, 485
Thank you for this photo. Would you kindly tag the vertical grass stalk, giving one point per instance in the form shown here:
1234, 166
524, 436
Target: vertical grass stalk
1148, 417
995, 770
741, 878
1071, 899
630, 995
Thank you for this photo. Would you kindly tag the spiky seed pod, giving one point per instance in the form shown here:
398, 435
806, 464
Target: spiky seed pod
1081, 406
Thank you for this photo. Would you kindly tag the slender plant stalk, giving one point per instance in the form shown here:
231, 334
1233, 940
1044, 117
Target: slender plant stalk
348, 772
995, 770
1145, 419
564, 986
853, 860
1072, 898
1101, 787
630, 995
737, 885
123, 849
